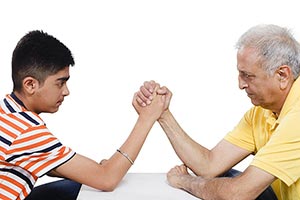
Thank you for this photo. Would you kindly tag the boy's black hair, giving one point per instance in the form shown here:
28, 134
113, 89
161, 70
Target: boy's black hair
38, 55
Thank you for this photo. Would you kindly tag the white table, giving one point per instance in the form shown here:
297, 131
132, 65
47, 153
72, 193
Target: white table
138, 186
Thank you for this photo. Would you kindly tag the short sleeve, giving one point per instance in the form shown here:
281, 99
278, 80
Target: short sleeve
242, 134
37, 151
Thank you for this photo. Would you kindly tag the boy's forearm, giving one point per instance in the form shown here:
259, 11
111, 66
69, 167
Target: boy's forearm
120, 164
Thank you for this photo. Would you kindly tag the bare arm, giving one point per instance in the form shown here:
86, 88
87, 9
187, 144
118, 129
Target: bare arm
249, 185
107, 175
203, 162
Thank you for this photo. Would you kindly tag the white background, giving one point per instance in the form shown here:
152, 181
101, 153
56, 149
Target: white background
185, 45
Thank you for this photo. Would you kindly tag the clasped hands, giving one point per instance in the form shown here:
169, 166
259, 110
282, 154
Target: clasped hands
151, 100
150, 93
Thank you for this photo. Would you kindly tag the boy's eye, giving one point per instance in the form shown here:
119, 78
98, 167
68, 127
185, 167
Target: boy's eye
60, 84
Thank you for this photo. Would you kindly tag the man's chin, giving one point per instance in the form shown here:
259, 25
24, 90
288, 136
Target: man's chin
255, 103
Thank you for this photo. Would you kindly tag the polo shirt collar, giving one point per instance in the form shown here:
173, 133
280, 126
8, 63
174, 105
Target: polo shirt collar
292, 98
17, 100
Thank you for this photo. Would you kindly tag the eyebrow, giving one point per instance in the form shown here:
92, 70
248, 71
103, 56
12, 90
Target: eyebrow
63, 78
245, 72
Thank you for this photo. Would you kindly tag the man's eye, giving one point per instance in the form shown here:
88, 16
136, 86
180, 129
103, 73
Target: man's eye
250, 76
245, 75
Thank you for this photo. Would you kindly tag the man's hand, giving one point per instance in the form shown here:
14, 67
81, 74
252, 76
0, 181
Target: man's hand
175, 174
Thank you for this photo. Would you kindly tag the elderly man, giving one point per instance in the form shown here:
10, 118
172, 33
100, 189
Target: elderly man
268, 59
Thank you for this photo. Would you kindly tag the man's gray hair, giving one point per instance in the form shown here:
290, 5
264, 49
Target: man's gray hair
274, 46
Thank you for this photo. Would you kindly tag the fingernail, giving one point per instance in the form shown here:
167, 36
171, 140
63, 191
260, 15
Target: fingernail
148, 102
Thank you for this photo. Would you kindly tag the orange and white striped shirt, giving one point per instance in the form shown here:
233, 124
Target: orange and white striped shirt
27, 149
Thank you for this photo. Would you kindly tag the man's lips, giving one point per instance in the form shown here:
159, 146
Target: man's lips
60, 102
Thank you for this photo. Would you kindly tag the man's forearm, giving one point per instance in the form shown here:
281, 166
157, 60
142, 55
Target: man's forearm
195, 156
216, 188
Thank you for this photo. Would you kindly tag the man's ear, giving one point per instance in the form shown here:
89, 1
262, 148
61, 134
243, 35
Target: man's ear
30, 85
285, 75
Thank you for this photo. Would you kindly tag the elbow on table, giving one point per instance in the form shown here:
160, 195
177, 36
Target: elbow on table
107, 186
107, 179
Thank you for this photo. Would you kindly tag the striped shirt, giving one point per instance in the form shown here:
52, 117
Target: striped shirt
27, 149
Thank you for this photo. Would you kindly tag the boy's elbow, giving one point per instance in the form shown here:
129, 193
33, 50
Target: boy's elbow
107, 180
108, 186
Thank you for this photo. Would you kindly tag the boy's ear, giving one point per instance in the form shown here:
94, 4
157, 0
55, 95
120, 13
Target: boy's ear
30, 85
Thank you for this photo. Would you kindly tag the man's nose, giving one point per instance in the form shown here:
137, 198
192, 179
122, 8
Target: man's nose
242, 84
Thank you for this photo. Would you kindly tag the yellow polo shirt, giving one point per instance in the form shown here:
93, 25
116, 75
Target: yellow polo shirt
274, 142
